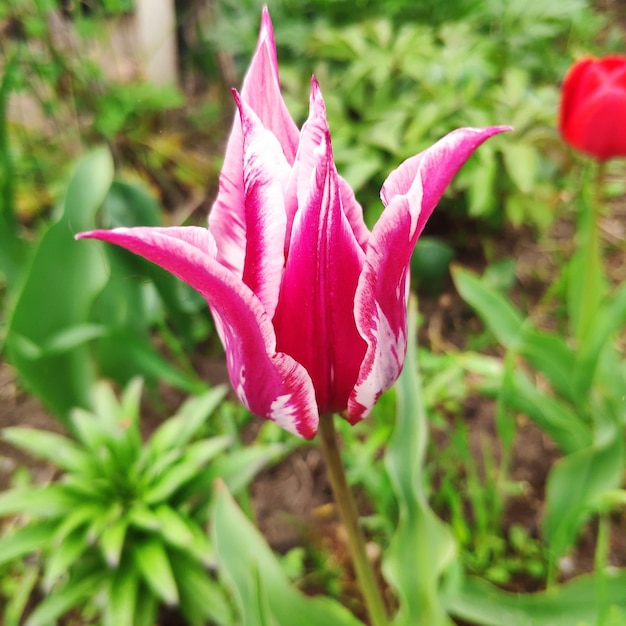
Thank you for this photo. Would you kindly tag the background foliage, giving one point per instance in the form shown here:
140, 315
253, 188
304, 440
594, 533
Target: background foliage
97, 150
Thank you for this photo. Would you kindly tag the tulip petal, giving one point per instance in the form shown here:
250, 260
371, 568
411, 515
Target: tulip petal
270, 384
266, 173
354, 213
303, 167
314, 319
410, 195
593, 105
261, 90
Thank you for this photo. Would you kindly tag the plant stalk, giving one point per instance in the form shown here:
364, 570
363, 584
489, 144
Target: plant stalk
349, 516
601, 562
592, 271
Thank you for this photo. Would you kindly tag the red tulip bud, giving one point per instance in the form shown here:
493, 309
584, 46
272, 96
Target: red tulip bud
593, 107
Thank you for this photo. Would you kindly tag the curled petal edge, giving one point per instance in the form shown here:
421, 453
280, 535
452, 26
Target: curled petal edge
410, 195
270, 384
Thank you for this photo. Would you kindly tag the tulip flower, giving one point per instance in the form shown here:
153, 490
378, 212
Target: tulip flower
593, 107
309, 304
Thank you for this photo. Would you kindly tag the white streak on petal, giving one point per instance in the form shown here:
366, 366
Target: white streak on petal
385, 368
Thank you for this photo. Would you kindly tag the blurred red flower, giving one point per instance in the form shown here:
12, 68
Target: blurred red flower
592, 118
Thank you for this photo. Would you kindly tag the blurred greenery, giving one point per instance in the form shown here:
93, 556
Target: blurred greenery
81, 148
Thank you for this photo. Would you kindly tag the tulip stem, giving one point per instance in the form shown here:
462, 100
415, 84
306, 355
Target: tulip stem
589, 240
349, 515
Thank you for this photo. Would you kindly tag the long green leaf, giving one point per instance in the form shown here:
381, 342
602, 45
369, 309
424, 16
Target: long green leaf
555, 418
182, 427
575, 489
46, 501
422, 546
548, 353
62, 281
611, 316
571, 604
122, 597
12, 248
48, 446
64, 555
26, 539
112, 540
496, 312
176, 476
154, 564
201, 597
255, 575
72, 594
16, 604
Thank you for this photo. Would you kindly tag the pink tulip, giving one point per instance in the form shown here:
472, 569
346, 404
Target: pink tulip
309, 304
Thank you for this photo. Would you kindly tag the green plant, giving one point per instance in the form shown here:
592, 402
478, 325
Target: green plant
581, 405
97, 324
122, 529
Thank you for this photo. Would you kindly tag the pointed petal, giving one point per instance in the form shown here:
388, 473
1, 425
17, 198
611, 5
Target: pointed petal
303, 168
314, 319
261, 90
266, 173
354, 213
270, 384
410, 194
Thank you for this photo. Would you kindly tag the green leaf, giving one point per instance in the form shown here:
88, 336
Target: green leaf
238, 468
174, 528
521, 162
82, 514
12, 248
575, 488
112, 541
61, 600
47, 501
62, 280
572, 604
566, 428
122, 597
48, 446
422, 545
16, 605
496, 312
481, 184
586, 280
176, 476
180, 429
548, 353
64, 555
154, 565
125, 353
610, 317
71, 338
91, 431
201, 597
143, 518
256, 576
26, 539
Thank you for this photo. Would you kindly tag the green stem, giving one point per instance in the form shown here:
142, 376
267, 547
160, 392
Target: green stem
600, 562
349, 515
592, 266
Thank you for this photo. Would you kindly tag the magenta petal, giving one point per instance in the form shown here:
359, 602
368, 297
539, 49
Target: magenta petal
354, 213
261, 90
314, 319
269, 383
410, 194
266, 173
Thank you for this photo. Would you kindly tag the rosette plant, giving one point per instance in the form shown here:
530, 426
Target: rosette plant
310, 305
